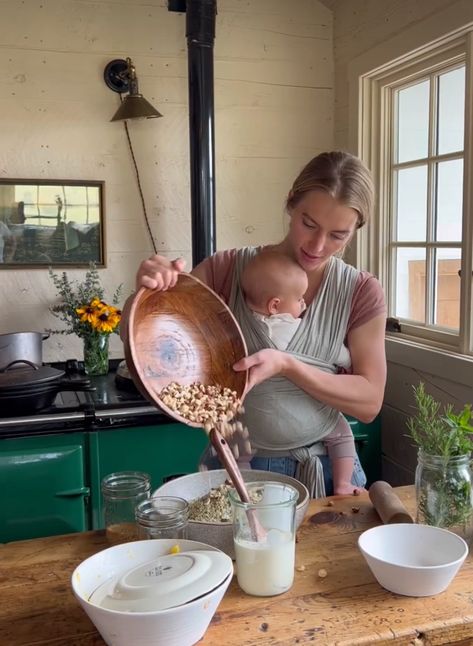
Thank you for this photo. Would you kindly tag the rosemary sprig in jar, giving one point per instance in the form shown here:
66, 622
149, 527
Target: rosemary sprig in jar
444, 493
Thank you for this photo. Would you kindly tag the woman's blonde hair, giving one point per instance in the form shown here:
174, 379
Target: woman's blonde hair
341, 175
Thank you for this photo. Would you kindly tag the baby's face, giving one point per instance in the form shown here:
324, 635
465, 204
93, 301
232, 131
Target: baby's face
292, 302
293, 305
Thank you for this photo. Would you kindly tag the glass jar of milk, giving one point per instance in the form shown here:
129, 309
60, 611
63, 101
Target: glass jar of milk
264, 537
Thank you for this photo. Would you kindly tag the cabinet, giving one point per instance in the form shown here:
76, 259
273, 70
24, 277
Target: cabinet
164, 451
50, 483
43, 486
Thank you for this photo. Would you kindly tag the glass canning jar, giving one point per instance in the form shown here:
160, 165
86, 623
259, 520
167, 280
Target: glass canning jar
265, 563
162, 517
121, 493
444, 492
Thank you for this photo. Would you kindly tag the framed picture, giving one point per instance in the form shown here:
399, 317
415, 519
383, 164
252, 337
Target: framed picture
51, 222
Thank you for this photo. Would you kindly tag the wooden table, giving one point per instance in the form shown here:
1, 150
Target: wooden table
347, 606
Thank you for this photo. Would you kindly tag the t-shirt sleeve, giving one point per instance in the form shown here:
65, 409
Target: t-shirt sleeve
217, 272
368, 301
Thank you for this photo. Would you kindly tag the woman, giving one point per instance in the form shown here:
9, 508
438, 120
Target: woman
294, 397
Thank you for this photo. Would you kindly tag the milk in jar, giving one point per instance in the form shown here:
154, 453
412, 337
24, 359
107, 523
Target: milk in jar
266, 568
264, 537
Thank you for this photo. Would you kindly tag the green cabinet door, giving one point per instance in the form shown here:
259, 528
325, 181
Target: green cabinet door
42, 486
163, 451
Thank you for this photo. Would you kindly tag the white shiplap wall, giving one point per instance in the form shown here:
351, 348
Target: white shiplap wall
274, 110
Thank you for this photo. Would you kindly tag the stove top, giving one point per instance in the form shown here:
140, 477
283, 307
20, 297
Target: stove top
115, 401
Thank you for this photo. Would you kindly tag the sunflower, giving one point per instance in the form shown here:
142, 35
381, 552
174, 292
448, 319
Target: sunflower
106, 321
87, 314
98, 304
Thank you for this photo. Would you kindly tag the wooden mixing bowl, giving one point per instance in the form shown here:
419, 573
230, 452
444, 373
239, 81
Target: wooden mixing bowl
184, 334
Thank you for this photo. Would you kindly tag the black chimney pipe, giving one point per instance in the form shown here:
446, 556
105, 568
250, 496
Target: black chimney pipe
200, 32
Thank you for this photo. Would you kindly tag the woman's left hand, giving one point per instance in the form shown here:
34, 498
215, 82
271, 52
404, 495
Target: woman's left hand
262, 365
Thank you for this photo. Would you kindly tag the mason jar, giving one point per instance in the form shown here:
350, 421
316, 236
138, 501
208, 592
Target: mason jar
162, 517
121, 493
264, 537
444, 492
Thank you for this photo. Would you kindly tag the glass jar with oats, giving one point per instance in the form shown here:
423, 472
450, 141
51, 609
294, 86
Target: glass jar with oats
121, 493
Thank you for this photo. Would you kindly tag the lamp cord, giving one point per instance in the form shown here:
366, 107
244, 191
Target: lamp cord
139, 184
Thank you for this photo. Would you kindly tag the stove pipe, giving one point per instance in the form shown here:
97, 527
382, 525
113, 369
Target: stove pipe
200, 32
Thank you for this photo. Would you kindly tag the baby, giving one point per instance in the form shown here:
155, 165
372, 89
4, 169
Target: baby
274, 286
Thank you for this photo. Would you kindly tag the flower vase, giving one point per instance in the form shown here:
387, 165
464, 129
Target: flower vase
96, 354
444, 492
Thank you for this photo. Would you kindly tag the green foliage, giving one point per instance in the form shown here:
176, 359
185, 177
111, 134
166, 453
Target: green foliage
443, 477
74, 294
440, 433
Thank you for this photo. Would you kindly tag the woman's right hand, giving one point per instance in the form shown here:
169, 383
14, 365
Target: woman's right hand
159, 273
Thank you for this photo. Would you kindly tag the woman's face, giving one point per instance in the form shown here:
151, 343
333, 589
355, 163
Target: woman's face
320, 226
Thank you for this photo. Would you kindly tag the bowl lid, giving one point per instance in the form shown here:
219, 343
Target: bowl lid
165, 582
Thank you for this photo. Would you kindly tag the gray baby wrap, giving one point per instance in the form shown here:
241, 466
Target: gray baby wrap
282, 418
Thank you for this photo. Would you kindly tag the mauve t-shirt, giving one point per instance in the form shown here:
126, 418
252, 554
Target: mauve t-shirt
367, 302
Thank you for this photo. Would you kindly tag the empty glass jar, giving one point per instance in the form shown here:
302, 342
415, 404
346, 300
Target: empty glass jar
162, 517
121, 493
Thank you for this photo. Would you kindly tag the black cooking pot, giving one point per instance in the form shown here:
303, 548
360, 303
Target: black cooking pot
26, 388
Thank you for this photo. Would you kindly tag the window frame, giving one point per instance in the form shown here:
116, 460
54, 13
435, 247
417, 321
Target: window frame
375, 143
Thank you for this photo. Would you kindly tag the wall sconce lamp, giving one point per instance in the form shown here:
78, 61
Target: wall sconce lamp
120, 76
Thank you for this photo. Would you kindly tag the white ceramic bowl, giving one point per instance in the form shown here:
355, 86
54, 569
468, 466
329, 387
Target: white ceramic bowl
180, 626
197, 485
414, 560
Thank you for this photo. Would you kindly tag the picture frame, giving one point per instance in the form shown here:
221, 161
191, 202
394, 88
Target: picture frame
51, 222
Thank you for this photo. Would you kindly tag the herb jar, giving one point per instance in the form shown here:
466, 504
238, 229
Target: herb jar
162, 517
444, 492
121, 493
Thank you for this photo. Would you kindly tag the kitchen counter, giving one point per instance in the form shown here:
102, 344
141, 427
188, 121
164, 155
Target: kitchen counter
347, 606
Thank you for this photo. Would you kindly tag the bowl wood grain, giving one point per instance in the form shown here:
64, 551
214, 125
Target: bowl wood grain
185, 334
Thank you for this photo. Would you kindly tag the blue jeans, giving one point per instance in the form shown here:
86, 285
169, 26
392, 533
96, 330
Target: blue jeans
287, 466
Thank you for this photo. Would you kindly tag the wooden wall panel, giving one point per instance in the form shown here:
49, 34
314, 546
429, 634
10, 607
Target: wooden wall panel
274, 107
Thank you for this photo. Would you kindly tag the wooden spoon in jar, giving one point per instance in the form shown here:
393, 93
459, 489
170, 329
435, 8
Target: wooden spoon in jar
228, 460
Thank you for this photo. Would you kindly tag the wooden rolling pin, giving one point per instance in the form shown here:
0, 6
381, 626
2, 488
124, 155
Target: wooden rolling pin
387, 504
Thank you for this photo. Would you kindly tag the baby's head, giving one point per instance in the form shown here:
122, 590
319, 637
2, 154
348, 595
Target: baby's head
273, 283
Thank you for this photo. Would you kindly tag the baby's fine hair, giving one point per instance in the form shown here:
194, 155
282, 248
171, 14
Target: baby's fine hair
341, 175
270, 274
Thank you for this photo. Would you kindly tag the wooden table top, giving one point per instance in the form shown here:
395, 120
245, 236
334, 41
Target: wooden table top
345, 607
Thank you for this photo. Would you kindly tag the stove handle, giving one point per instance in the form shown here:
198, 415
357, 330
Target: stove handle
73, 493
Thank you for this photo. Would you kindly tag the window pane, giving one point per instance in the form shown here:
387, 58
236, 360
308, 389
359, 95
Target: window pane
411, 200
413, 122
449, 200
410, 284
447, 298
451, 111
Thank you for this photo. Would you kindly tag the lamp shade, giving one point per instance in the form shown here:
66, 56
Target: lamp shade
135, 106
120, 76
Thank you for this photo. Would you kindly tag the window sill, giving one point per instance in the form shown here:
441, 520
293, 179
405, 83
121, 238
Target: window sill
441, 363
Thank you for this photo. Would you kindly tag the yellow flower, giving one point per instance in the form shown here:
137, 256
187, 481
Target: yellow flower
87, 314
106, 321
98, 304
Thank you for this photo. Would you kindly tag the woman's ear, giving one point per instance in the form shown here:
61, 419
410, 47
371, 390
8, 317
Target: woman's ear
273, 305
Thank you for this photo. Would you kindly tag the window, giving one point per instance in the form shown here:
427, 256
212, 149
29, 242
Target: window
416, 138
